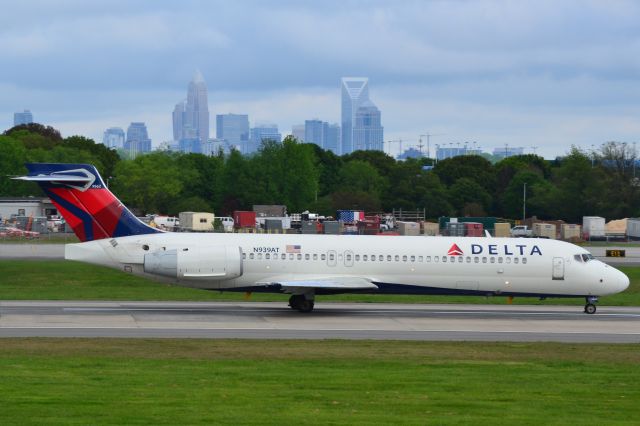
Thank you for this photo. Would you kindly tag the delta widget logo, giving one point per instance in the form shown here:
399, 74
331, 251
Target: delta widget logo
455, 251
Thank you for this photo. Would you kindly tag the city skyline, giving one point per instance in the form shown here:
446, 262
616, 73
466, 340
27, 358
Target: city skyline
546, 75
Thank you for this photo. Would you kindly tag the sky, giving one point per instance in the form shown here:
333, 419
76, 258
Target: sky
543, 75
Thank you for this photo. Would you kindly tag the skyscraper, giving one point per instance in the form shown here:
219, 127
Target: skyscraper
191, 117
263, 133
355, 90
137, 139
24, 117
297, 131
113, 138
234, 129
323, 134
367, 130
315, 131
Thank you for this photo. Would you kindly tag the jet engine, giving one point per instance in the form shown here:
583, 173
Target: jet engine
196, 263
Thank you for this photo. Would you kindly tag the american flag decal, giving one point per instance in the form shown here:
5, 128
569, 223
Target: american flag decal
294, 248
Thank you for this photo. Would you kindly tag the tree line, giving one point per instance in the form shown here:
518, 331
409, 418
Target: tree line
306, 177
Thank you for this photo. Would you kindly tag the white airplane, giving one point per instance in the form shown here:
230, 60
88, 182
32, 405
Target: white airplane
308, 265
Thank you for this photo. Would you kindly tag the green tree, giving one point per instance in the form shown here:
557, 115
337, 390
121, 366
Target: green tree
150, 183
466, 191
471, 167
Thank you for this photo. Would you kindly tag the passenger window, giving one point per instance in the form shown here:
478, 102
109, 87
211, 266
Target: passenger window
373, 257
388, 258
315, 256
381, 258
331, 256
306, 256
460, 259
508, 260
444, 259
283, 256
420, 259
348, 258
499, 260
357, 258
397, 258
364, 257
492, 259
300, 256
251, 256
244, 256
428, 258
484, 260
267, 256
291, 256
259, 256
516, 260
524, 260
323, 256
436, 259
468, 259
476, 259
413, 258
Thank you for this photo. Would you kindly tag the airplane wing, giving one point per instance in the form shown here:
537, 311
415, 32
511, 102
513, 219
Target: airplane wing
329, 283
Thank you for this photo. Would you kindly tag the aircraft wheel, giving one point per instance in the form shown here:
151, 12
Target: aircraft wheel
590, 308
305, 305
294, 301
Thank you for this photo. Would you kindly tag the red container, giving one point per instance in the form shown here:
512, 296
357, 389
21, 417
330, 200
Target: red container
244, 219
473, 229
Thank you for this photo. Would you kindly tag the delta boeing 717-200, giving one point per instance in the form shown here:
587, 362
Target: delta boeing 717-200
304, 266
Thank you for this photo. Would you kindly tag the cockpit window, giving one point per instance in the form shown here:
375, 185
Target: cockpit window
587, 257
577, 257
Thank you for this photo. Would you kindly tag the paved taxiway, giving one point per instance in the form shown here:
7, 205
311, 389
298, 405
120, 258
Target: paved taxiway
328, 321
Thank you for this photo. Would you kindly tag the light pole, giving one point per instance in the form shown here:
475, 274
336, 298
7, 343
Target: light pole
524, 202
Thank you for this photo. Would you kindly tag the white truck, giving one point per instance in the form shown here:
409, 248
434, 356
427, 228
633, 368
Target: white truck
521, 231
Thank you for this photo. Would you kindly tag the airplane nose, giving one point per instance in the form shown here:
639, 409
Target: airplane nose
623, 282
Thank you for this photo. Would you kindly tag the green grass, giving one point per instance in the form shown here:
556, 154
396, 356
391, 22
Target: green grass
67, 280
136, 381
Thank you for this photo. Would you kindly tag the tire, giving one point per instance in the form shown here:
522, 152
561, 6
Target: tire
305, 305
590, 308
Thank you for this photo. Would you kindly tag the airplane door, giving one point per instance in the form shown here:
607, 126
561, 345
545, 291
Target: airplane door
558, 268
331, 258
348, 258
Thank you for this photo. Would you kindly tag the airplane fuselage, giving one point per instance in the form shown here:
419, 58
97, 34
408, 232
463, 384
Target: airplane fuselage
395, 264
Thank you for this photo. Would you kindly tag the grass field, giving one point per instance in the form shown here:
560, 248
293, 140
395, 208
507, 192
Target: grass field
66, 280
111, 381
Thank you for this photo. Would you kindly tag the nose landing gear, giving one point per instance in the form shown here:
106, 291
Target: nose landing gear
590, 307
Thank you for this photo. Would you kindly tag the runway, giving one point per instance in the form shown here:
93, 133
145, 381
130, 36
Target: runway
379, 321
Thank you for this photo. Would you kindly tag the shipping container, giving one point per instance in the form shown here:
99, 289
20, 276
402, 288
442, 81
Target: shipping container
502, 230
270, 210
473, 229
244, 219
570, 232
544, 230
633, 228
350, 216
408, 228
273, 224
593, 227
332, 227
196, 221
488, 222
455, 229
430, 229
309, 228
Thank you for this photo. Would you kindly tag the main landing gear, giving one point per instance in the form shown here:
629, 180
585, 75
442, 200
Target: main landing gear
301, 303
590, 307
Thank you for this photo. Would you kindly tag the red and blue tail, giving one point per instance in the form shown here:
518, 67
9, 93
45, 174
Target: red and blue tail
81, 197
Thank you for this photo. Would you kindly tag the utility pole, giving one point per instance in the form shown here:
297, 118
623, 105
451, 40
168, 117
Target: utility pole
534, 149
524, 202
